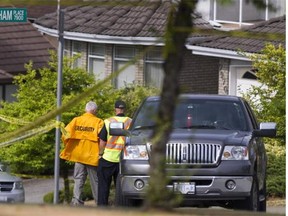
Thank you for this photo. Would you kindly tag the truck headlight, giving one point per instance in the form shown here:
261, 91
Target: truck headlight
135, 152
235, 153
18, 185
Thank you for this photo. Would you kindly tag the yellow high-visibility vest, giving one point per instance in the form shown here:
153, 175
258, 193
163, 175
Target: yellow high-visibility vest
115, 144
82, 145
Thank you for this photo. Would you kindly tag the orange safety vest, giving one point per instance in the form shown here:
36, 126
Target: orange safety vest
115, 144
82, 144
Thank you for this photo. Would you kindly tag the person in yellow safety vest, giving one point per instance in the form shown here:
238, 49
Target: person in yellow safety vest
110, 149
81, 145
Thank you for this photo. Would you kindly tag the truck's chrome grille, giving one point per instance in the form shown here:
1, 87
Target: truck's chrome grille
192, 153
6, 186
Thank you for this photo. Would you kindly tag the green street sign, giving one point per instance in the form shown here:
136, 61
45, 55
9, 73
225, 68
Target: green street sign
13, 15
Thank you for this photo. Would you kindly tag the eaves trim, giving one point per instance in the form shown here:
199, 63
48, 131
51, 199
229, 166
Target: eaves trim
102, 38
220, 53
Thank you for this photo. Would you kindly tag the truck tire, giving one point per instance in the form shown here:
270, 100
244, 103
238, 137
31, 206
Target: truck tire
120, 199
251, 203
253, 200
263, 202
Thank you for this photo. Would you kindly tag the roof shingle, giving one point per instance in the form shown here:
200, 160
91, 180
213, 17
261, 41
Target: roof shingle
147, 19
246, 44
19, 44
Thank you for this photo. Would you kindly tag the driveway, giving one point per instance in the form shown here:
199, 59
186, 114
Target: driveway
35, 189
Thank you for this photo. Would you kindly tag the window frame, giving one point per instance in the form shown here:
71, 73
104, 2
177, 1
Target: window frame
126, 59
96, 56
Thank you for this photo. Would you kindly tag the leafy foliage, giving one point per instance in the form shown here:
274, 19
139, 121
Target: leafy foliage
269, 103
36, 96
269, 99
276, 169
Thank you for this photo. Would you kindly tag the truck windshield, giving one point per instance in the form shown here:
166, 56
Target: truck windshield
189, 113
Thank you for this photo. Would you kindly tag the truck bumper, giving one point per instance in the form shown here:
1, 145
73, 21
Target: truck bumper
206, 188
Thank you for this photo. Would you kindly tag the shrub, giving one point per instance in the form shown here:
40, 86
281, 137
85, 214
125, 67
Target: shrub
86, 195
276, 179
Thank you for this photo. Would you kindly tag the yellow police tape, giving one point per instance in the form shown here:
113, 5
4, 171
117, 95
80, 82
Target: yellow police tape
13, 120
33, 132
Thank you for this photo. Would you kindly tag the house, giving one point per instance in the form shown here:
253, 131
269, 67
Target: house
238, 13
236, 74
108, 36
20, 43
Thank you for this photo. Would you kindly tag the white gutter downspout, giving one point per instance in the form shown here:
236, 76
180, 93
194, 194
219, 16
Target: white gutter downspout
214, 9
240, 13
266, 10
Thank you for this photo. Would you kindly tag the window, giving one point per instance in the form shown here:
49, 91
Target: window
1, 92
67, 47
249, 75
7, 93
196, 113
96, 60
122, 55
10, 90
245, 12
154, 73
76, 50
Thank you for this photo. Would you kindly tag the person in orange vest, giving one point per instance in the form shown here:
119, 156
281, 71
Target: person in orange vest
110, 149
81, 145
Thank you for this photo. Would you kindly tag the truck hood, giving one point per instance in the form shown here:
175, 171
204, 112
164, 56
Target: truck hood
194, 136
6, 177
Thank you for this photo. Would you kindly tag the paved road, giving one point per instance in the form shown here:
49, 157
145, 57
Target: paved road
35, 189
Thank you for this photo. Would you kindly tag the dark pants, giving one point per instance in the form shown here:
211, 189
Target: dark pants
106, 171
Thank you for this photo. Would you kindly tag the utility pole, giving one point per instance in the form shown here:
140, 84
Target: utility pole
59, 101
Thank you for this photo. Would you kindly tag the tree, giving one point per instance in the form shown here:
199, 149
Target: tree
269, 99
178, 29
175, 38
179, 18
36, 95
269, 103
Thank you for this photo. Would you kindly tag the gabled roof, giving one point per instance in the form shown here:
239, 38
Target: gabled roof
20, 43
36, 11
147, 20
230, 45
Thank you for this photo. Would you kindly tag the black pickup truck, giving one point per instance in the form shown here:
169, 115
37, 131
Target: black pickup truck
215, 155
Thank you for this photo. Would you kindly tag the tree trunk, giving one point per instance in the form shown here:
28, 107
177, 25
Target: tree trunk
178, 29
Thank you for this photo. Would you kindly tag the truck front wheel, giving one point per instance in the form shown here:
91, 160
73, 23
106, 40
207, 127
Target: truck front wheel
120, 199
251, 203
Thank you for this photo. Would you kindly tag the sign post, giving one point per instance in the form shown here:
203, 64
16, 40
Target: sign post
13, 15
59, 102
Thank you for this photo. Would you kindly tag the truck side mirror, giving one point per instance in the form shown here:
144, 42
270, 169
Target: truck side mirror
117, 129
266, 129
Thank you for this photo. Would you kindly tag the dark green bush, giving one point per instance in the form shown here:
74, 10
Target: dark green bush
87, 194
276, 167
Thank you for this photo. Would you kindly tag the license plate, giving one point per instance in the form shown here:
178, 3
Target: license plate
3, 199
184, 187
